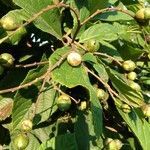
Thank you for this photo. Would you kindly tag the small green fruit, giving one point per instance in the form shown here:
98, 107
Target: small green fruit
1, 70
135, 86
6, 60
83, 105
146, 110
8, 23
128, 65
91, 45
147, 13
126, 108
140, 14
21, 141
131, 76
64, 102
113, 144
26, 125
102, 95
74, 59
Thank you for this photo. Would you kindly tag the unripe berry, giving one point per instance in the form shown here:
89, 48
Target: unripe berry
113, 144
128, 65
147, 13
74, 59
131, 76
64, 102
91, 45
21, 141
135, 86
8, 23
146, 110
140, 14
26, 125
118, 144
6, 60
102, 95
83, 105
126, 108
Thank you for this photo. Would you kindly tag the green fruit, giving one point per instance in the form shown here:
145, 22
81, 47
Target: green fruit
140, 14
8, 23
102, 95
26, 125
146, 110
131, 75
128, 65
126, 108
83, 105
135, 86
64, 102
74, 59
147, 13
6, 60
113, 144
21, 141
91, 45
1, 70
143, 14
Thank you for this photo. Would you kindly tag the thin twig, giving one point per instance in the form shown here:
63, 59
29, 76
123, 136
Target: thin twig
108, 56
105, 84
37, 79
60, 91
32, 64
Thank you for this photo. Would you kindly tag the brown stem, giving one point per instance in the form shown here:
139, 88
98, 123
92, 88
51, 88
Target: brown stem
32, 64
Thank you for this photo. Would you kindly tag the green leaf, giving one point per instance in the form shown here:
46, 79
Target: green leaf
24, 97
66, 141
65, 74
49, 21
128, 94
46, 103
49, 144
113, 16
100, 32
6, 105
140, 127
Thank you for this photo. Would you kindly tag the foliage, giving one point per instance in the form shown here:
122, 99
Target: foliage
95, 53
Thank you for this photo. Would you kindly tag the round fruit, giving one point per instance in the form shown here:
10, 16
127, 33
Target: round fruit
74, 59
147, 13
64, 102
8, 23
83, 105
102, 95
21, 141
140, 14
26, 125
126, 108
1, 70
135, 86
118, 144
113, 144
6, 60
131, 75
128, 65
146, 110
92, 45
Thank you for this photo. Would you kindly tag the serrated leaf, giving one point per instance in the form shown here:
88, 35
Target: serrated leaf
49, 21
140, 127
24, 97
100, 32
46, 103
6, 105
